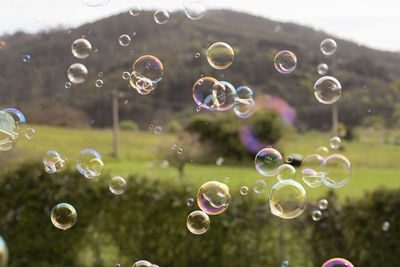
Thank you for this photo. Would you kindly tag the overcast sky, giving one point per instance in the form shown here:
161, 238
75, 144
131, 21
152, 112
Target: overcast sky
370, 22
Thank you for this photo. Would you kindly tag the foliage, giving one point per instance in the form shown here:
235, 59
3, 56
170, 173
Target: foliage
128, 125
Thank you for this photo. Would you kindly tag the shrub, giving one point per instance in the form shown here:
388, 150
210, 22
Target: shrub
128, 125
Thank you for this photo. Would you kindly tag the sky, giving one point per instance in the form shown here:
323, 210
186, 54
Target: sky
368, 22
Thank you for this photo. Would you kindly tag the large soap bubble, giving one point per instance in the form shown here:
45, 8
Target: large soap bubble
327, 90
285, 61
81, 48
209, 93
287, 199
198, 222
328, 47
63, 216
336, 171
267, 161
77, 73
312, 170
213, 197
89, 163
8, 131
220, 55
147, 72
194, 9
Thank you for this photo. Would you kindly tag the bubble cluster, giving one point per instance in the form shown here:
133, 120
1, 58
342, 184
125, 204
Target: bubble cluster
323, 204
327, 90
161, 16
267, 161
316, 215
124, 40
337, 262
328, 47
89, 163
53, 162
322, 69
336, 171
3, 252
77, 73
259, 186
213, 197
95, 3
198, 222
335, 142
287, 199
220, 55
147, 72
286, 172
63, 216
312, 170
194, 9
244, 190
117, 185
285, 62
81, 48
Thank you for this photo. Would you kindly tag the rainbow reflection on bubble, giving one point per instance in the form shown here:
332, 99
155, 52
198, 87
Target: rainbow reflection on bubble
230, 96
204, 93
147, 71
312, 170
337, 262
267, 161
336, 171
63, 216
213, 197
285, 61
89, 163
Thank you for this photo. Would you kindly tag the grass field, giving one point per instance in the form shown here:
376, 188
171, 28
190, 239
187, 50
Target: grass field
374, 164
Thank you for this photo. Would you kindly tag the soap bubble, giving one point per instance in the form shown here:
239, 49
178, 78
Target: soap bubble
327, 90
337, 262
142, 263
289, 159
336, 171
328, 47
53, 162
124, 40
179, 151
226, 179
198, 109
287, 199
219, 161
198, 222
244, 190
197, 55
220, 55
285, 263
77, 73
89, 163
322, 69
8, 131
95, 3
157, 130
81, 48
3, 252
285, 61
194, 9
229, 97
30, 133
244, 103
135, 11
161, 16
259, 186
385, 226
17, 115
286, 172
316, 215
189, 202
267, 161
68, 85
117, 185
323, 151
312, 170
126, 75
173, 147
117, 265
26, 58
63, 216
323, 204
209, 93
99, 83
147, 72
100, 74
213, 197
335, 142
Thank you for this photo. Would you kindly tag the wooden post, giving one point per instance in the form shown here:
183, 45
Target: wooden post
335, 119
115, 122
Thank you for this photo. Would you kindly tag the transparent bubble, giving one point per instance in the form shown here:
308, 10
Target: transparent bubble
95, 3
229, 96
81, 48
179, 151
220, 55
68, 85
17, 115
197, 55
117, 185
259, 186
226, 179
126, 75
77, 73
285, 61
124, 40
161, 16
312, 170
53, 162
336, 171
213, 197
63, 216
244, 103
323, 151
322, 69
194, 9
335, 142
147, 72
142, 263
173, 147
323, 204
287, 199
328, 47
385, 226
316, 215
289, 159
99, 83
198, 222
30, 133
117, 265
219, 161
131, 52
285, 263
267, 161
3, 252
209, 93
198, 108
157, 130
286, 172
327, 90
189, 202
100, 74
244, 190
26, 58
135, 11
337, 262
150, 126
89, 163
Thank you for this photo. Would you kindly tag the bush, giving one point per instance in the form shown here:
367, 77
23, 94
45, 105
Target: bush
128, 125
174, 126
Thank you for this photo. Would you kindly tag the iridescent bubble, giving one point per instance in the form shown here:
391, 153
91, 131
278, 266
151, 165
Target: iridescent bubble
63, 216
198, 222
30, 133
335, 142
267, 161
197, 55
226, 179
161, 16
327, 90
322, 69
81, 48
99, 83
117, 185
312, 170
68, 85
385, 226
219, 161
194, 9
244, 102
53, 162
287, 199
157, 130
147, 72
337, 262
286, 172
124, 40
89, 163
289, 159
323, 204
189, 202
209, 93
95, 3
328, 47
135, 11
3, 252
100, 74
142, 263
244, 190
179, 151
316, 215
336, 171
173, 147
126, 75
77, 73
220, 55
259, 186
11, 120
285, 263
213, 197
150, 126
117, 265
323, 151
198, 108
26, 58
285, 61
229, 97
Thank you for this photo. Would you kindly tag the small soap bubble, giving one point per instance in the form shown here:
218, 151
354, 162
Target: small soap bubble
285, 263
219, 161
135, 11
198, 222
287, 199
267, 161
289, 159
53, 162
131, 52
285, 62
117, 265
161, 16
197, 55
323, 204
335, 142
81, 48
226, 179
126, 75
322, 69
2, 44
194, 9
142, 263
124, 40
327, 90
385, 226
151, 126
323, 151
173, 147
244, 190
99, 83
259, 186
89, 163
77, 73
316, 215
198, 108
63, 216
189, 202
328, 47
117, 185
157, 130
286, 172
68, 85
220, 55
30, 133
179, 151
100, 74
26, 58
